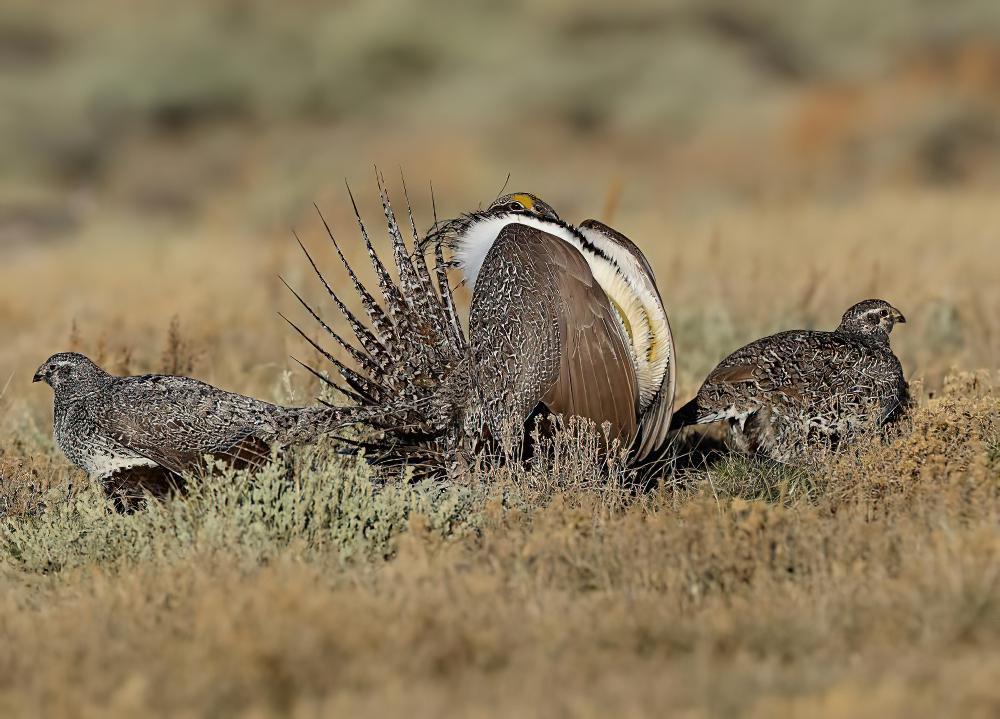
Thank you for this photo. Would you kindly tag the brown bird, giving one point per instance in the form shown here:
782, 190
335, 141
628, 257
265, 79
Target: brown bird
564, 320
793, 394
144, 434
567, 320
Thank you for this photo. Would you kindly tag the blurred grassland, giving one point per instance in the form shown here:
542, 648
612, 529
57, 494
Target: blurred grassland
777, 162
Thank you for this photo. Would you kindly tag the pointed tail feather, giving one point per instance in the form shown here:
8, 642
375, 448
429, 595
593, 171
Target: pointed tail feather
409, 383
382, 324
369, 342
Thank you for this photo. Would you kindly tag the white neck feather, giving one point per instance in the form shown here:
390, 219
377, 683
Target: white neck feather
473, 246
625, 282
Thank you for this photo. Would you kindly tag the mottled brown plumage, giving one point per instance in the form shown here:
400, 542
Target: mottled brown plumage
543, 332
794, 393
563, 321
605, 326
144, 433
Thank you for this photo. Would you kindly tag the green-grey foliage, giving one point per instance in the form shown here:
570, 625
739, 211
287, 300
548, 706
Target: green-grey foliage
314, 502
758, 479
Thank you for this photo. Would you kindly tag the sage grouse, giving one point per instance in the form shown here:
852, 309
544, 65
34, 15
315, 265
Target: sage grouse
137, 434
788, 395
564, 320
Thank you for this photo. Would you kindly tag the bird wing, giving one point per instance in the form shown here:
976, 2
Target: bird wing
655, 420
802, 366
542, 331
734, 374
176, 421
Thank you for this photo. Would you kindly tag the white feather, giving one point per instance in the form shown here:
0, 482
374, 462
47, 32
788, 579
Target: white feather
102, 466
474, 245
622, 279
633, 290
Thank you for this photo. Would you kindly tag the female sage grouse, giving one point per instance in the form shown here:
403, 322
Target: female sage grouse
792, 393
137, 434
564, 320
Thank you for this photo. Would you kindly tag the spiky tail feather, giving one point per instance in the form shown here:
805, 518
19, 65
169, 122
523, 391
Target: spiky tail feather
409, 383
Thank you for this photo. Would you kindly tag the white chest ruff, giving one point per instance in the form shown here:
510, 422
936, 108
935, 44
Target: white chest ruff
632, 295
100, 459
475, 244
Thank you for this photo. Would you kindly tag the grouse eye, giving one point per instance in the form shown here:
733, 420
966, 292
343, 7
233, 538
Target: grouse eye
515, 206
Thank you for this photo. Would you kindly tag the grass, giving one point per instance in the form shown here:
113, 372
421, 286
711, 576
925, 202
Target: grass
865, 585
775, 166
877, 586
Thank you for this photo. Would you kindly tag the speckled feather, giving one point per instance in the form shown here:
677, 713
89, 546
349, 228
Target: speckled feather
787, 395
415, 389
543, 332
108, 425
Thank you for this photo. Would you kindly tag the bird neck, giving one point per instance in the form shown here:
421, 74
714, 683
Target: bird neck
90, 382
474, 242
876, 335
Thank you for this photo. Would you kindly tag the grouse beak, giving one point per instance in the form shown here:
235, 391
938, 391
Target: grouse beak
38, 377
897, 316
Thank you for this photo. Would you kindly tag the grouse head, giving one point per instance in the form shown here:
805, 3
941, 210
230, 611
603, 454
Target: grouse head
70, 374
871, 318
456, 233
523, 203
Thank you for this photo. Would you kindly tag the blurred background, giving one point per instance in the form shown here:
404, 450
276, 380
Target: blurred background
777, 161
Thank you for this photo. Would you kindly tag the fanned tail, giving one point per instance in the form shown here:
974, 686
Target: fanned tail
407, 381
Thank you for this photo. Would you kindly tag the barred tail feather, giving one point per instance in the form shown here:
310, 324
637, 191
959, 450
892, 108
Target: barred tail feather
382, 324
369, 342
367, 364
409, 380
392, 296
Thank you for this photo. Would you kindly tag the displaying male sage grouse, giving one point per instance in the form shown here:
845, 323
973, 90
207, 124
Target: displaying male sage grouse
788, 395
137, 434
564, 320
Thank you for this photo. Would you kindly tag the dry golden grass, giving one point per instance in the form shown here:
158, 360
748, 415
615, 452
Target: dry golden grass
728, 277
867, 586
877, 593
151, 170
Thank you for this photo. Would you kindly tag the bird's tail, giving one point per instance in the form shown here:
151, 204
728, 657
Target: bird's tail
686, 415
407, 374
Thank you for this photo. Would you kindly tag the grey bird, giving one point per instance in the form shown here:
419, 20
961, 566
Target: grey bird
794, 394
564, 320
145, 433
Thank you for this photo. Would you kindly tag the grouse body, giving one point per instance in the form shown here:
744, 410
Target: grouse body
790, 394
564, 320
143, 433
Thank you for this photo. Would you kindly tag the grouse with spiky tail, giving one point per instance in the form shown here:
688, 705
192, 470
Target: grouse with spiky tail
574, 315
409, 374
145, 433
564, 320
791, 395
